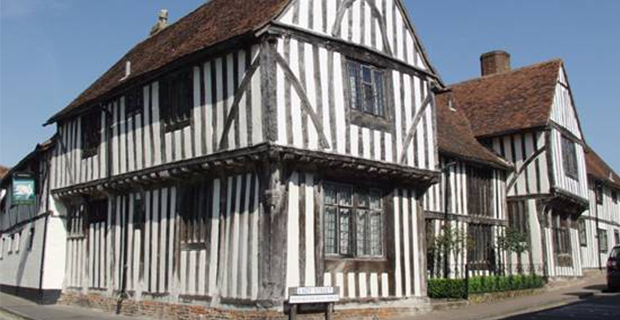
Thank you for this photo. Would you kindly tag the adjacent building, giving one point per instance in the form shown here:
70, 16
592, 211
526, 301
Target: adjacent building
32, 232
528, 117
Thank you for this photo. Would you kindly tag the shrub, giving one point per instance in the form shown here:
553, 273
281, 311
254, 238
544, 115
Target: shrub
447, 289
504, 283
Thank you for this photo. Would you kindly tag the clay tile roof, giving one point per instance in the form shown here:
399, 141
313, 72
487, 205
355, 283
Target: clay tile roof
455, 137
212, 23
510, 101
3, 171
598, 169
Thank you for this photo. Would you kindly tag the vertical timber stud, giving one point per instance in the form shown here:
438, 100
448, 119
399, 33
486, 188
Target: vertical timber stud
542, 210
269, 88
421, 243
273, 231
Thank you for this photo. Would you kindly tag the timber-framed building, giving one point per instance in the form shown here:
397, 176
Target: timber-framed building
251, 147
528, 117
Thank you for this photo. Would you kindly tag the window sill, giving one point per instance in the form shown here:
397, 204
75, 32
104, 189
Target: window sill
176, 126
371, 121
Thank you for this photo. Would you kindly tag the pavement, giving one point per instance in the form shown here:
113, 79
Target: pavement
15, 308
584, 300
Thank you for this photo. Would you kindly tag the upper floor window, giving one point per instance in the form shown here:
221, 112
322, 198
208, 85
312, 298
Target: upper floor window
480, 191
366, 88
134, 102
598, 193
569, 158
176, 99
353, 222
91, 133
614, 197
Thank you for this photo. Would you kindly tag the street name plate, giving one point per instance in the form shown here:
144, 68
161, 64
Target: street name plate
301, 295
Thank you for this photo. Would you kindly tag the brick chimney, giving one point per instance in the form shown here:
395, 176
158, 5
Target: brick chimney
495, 62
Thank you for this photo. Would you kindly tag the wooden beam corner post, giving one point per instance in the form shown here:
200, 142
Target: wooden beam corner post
268, 87
273, 231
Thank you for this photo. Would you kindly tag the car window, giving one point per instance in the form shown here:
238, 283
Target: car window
615, 253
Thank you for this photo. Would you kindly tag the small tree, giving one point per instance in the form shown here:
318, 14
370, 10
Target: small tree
450, 240
517, 242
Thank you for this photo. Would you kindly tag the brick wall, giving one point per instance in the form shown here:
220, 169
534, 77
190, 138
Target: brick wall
164, 310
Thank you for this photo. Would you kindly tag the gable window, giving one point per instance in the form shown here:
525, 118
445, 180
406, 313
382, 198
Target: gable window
134, 102
176, 99
353, 221
366, 88
480, 191
517, 216
569, 158
583, 235
91, 133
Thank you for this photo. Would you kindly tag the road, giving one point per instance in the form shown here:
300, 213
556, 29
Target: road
603, 306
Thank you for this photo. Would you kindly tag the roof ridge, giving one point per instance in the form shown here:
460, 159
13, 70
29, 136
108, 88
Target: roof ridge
513, 71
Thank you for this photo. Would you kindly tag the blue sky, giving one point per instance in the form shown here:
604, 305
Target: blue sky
50, 51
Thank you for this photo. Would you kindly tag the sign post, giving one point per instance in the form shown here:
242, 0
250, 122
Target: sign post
314, 298
23, 191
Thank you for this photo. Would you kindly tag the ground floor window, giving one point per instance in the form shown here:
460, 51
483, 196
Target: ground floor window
583, 236
480, 253
602, 236
353, 221
517, 215
617, 237
561, 232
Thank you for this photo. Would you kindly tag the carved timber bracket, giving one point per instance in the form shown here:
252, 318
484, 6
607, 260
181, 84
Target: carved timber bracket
414, 127
375, 13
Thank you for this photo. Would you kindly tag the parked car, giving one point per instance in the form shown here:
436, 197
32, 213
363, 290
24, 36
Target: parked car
613, 269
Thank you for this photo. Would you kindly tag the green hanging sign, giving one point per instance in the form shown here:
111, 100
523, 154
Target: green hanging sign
23, 191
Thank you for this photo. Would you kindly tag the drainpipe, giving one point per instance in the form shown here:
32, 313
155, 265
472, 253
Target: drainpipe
447, 195
598, 187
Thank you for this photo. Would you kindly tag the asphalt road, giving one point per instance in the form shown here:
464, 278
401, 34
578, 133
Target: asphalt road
604, 306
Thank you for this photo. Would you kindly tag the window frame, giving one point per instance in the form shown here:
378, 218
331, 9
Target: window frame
91, 132
134, 102
570, 162
354, 207
518, 220
602, 235
194, 233
480, 255
482, 203
176, 99
583, 232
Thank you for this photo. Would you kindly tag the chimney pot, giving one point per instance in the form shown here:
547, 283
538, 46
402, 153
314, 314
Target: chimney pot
495, 62
162, 22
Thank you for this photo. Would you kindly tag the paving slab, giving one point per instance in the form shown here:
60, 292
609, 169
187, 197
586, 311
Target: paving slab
498, 310
15, 308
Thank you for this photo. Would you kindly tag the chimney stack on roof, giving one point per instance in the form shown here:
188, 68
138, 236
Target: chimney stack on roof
495, 62
162, 22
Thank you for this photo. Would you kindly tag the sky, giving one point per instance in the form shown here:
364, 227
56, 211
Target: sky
50, 51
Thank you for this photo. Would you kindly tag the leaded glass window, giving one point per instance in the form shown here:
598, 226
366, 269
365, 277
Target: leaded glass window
353, 221
366, 88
